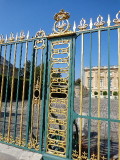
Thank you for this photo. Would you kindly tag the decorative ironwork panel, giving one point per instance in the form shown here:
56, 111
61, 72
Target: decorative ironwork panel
59, 71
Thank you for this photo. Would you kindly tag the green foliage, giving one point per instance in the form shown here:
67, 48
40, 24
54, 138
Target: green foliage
28, 65
95, 93
115, 93
78, 81
20, 89
105, 93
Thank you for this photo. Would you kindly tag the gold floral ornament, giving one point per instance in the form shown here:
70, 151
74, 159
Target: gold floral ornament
11, 38
22, 36
40, 34
82, 25
100, 22
117, 20
2, 40
62, 24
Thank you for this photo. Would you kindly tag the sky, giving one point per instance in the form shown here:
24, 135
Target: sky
24, 15
17, 15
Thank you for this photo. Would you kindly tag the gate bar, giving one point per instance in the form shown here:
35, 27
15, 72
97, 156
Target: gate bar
109, 123
90, 100
12, 88
6, 93
81, 94
119, 91
99, 64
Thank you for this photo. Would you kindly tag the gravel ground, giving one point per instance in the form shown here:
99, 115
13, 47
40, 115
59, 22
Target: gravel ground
94, 102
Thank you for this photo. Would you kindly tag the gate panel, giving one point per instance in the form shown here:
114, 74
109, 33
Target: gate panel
59, 96
22, 63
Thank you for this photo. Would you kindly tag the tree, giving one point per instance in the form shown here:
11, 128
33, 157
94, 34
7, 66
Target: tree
78, 81
28, 65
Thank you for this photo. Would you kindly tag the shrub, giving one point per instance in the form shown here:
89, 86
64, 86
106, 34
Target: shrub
115, 93
105, 93
95, 93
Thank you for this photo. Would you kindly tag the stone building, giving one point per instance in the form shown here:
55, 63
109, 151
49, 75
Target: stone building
103, 80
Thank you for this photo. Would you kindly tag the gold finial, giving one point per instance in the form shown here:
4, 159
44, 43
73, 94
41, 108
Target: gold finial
2, 40
11, 38
22, 35
83, 24
99, 22
117, 20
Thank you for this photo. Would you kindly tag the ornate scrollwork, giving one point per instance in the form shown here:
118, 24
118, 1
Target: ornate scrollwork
117, 20
83, 24
99, 22
41, 42
62, 24
36, 92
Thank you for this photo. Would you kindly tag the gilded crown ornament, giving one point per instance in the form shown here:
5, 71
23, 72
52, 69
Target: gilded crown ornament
62, 24
117, 20
99, 22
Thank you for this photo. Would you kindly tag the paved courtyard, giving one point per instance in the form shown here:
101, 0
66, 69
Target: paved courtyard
94, 103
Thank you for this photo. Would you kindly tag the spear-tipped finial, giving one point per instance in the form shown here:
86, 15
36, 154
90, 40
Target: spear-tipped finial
28, 35
91, 23
74, 27
108, 21
6, 39
16, 38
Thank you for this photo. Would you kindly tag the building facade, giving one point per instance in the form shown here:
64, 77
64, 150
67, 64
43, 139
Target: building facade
103, 80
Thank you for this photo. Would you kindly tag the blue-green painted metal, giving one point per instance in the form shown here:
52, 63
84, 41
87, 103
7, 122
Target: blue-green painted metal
6, 94
29, 109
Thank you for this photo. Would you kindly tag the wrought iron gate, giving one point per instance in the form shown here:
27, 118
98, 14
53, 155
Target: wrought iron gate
38, 107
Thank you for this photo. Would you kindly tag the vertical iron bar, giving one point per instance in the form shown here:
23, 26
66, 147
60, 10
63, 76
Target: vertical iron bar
99, 64
81, 94
3, 76
34, 83
6, 92
12, 88
39, 102
17, 94
30, 94
109, 93
72, 94
119, 92
44, 91
90, 109
23, 93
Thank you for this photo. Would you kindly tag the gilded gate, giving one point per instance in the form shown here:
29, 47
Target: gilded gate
38, 107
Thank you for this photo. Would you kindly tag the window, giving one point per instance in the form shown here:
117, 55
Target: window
101, 83
89, 82
110, 82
